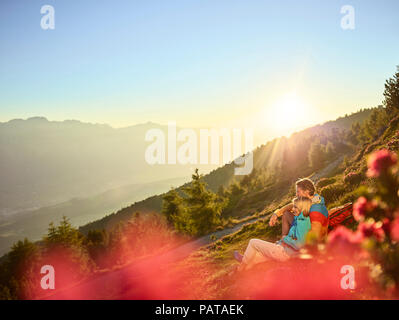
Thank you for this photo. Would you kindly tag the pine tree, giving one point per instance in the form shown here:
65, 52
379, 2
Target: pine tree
316, 155
64, 249
203, 206
63, 235
353, 133
391, 92
5, 293
20, 271
175, 211
96, 243
330, 150
172, 205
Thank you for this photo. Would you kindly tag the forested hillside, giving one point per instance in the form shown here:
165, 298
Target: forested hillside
269, 159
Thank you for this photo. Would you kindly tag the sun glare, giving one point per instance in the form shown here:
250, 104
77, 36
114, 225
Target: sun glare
287, 115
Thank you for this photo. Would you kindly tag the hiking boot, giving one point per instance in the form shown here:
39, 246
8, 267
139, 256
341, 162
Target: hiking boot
238, 256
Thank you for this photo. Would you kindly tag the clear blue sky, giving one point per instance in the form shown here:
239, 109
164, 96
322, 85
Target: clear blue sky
199, 62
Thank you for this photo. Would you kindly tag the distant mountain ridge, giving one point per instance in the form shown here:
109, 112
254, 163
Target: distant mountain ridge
46, 162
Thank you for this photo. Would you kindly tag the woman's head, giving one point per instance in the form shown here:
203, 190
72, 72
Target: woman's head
302, 204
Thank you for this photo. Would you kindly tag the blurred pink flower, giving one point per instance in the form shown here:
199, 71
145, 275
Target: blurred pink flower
379, 162
386, 225
342, 236
361, 207
395, 229
370, 229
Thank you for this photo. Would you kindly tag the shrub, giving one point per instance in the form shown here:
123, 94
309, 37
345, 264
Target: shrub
353, 178
140, 236
333, 192
393, 145
346, 198
325, 182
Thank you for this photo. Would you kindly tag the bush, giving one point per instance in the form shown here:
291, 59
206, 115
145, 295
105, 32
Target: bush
325, 182
353, 178
140, 236
333, 192
346, 198
349, 197
393, 144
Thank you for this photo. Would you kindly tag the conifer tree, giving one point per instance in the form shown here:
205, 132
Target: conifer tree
391, 92
316, 155
203, 206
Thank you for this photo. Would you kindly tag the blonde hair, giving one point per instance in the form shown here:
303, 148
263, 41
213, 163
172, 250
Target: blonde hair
303, 204
306, 185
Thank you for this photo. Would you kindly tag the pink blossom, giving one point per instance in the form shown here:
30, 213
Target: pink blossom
370, 229
361, 207
379, 162
342, 236
386, 225
395, 229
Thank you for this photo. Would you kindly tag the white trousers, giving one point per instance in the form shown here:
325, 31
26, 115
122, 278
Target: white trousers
260, 251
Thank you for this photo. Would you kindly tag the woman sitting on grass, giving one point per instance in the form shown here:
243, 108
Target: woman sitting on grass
260, 251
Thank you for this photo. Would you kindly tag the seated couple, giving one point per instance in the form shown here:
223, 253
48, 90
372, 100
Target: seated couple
307, 212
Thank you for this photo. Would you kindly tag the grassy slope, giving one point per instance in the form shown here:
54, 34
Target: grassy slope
218, 256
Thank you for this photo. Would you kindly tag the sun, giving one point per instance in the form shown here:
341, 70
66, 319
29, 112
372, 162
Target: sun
287, 114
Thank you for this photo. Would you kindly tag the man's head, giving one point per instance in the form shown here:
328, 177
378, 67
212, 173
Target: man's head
305, 188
